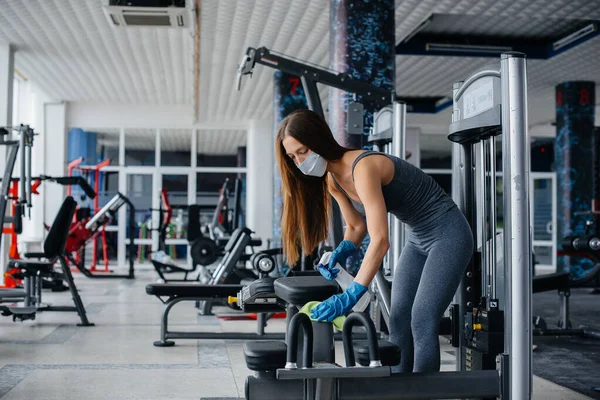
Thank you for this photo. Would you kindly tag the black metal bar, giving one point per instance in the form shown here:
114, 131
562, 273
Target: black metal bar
312, 95
165, 334
23, 132
431, 385
225, 335
299, 321
57, 309
354, 319
558, 332
341, 81
237, 205
73, 180
332, 371
131, 228
591, 333
79, 307
8, 169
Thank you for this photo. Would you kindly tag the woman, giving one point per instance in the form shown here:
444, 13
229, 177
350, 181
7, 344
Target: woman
367, 185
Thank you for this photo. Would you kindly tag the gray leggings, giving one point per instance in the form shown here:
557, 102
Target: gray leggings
426, 277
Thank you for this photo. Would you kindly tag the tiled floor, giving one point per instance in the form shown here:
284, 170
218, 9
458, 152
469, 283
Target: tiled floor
53, 359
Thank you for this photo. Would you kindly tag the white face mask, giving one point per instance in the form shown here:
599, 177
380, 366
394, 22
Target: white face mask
313, 165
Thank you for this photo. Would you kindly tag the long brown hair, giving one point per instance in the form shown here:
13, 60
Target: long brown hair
306, 202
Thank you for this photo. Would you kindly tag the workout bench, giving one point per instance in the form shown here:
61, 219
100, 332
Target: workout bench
176, 293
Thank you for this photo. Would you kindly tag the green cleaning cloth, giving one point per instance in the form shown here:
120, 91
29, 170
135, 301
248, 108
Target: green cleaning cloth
338, 322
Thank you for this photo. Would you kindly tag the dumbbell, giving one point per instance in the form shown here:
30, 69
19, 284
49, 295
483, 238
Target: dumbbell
581, 243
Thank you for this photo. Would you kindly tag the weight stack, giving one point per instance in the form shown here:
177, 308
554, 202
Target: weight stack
485, 339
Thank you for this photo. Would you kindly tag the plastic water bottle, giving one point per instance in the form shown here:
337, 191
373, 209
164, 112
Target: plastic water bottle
344, 279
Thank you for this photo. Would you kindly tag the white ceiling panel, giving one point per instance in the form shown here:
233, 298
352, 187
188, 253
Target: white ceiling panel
72, 52
298, 29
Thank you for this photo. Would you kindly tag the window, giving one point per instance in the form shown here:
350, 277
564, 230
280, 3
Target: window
208, 190
106, 146
436, 152
221, 148
140, 145
175, 147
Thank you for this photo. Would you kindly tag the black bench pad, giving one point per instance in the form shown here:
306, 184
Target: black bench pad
265, 355
192, 290
35, 255
32, 266
299, 290
389, 353
556, 281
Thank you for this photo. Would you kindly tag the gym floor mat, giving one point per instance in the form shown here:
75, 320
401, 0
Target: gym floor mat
573, 362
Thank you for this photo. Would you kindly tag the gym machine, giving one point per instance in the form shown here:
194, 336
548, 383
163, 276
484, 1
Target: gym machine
23, 200
25, 303
492, 314
87, 230
219, 290
206, 247
586, 245
13, 277
490, 102
92, 173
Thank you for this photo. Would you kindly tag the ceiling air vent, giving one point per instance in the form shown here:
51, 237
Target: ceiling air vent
145, 13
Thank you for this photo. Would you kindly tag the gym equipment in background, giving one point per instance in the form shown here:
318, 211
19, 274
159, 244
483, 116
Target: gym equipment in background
11, 276
92, 174
27, 302
162, 262
22, 200
586, 246
207, 241
217, 291
87, 230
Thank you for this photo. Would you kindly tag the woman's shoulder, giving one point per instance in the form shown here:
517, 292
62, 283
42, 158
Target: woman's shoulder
372, 163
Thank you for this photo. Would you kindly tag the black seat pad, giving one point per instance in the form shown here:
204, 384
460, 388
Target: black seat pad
35, 255
389, 353
265, 355
556, 281
299, 290
32, 266
171, 268
192, 290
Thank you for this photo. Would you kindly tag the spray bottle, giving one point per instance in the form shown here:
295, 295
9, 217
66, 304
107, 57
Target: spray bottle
344, 279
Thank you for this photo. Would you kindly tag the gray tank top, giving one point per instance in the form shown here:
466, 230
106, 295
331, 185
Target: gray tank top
412, 196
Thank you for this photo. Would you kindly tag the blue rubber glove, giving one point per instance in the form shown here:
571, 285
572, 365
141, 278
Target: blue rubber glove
339, 304
329, 274
344, 250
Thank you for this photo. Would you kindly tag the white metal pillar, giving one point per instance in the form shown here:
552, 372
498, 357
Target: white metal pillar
7, 67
